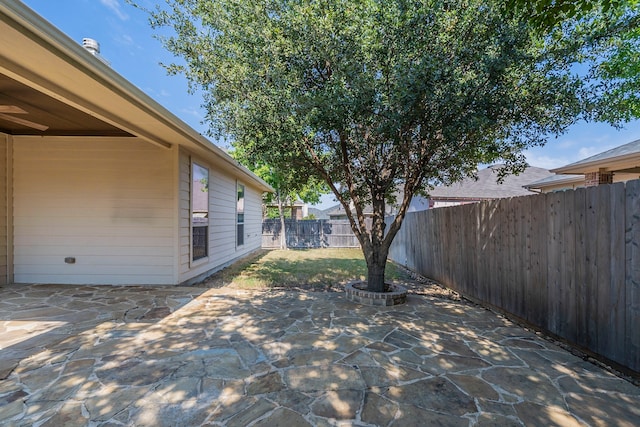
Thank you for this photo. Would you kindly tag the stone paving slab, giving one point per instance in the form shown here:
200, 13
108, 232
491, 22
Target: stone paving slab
171, 356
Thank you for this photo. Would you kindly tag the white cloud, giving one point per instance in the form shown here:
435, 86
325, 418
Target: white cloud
126, 39
546, 162
567, 143
192, 112
114, 5
563, 153
585, 152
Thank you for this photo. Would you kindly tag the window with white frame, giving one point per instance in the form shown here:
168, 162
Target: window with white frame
240, 215
199, 212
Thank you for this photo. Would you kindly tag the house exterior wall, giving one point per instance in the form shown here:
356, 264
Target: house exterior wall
624, 177
443, 203
592, 179
4, 207
109, 203
222, 220
253, 220
562, 187
184, 214
607, 177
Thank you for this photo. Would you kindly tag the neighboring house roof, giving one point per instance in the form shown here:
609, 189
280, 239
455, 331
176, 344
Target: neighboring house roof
296, 204
555, 180
337, 211
367, 211
328, 212
318, 213
487, 187
625, 158
107, 105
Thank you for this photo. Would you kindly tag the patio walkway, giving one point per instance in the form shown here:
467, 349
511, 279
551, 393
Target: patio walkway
113, 356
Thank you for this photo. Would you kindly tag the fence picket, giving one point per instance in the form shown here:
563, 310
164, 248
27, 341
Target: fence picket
581, 267
554, 253
591, 279
567, 282
632, 275
538, 310
616, 291
522, 264
603, 261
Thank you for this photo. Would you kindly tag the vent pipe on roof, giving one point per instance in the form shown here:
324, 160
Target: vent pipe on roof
94, 47
91, 45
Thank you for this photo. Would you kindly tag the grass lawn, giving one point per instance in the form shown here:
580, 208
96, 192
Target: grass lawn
309, 269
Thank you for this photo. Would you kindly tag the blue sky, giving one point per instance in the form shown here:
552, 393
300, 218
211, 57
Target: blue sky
127, 42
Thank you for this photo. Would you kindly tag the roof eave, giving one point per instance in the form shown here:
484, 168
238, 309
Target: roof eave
567, 180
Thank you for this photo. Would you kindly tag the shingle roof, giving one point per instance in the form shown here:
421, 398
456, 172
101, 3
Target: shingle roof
555, 179
339, 211
322, 213
629, 149
486, 187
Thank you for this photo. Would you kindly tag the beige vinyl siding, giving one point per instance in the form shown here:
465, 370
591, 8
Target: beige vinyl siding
184, 208
222, 219
4, 214
252, 219
107, 202
624, 177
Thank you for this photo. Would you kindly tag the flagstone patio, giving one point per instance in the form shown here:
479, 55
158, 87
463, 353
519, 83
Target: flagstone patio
172, 356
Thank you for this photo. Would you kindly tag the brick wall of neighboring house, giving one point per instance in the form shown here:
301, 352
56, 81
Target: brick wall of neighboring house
592, 179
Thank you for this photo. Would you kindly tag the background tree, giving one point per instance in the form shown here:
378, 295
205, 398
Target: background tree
547, 14
616, 24
373, 96
290, 184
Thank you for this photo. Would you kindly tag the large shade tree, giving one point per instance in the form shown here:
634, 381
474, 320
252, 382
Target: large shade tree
379, 98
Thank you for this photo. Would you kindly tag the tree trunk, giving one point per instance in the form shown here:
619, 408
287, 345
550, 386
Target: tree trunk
376, 265
375, 277
378, 249
283, 231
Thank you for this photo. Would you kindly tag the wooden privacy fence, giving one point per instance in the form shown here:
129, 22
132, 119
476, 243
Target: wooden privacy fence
320, 233
567, 262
